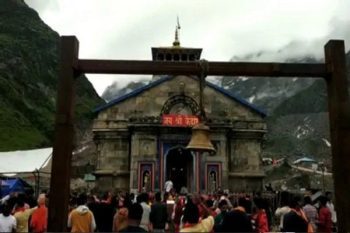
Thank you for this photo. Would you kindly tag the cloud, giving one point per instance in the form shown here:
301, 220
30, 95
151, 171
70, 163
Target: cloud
116, 29
42, 6
296, 49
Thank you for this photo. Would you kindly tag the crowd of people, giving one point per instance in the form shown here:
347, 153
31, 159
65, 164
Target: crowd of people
20, 212
220, 212
172, 212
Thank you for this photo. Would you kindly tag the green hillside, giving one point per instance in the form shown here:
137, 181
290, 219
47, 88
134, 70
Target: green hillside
28, 80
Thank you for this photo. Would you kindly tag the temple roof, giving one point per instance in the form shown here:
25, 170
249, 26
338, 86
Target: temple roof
165, 79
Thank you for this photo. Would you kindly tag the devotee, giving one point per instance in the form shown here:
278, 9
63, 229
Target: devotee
235, 221
120, 220
22, 214
7, 221
283, 209
158, 215
324, 223
38, 222
81, 219
259, 217
310, 212
191, 219
143, 200
330, 206
295, 220
134, 220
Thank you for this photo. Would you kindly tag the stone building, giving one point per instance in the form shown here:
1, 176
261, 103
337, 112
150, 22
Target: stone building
141, 137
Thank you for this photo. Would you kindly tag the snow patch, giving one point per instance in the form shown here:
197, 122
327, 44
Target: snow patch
295, 79
303, 130
128, 90
327, 142
262, 95
216, 80
80, 150
242, 78
251, 99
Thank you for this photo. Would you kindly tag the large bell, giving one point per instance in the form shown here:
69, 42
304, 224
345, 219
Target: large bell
200, 140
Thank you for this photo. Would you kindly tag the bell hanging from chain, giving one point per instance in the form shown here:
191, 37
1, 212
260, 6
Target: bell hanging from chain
200, 140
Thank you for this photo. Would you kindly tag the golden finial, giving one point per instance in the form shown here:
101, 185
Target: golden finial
177, 28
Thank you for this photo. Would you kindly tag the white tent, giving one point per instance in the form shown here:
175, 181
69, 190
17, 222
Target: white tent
26, 161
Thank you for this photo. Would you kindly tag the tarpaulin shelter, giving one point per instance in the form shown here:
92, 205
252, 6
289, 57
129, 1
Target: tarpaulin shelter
27, 164
13, 185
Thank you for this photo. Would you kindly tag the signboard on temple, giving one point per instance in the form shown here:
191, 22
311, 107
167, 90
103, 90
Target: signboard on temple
179, 120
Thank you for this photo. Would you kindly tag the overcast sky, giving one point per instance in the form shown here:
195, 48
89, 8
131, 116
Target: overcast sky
127, 29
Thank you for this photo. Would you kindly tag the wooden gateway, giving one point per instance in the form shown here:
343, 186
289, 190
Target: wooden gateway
333, 71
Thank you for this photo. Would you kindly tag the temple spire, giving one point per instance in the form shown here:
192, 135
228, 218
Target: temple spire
176, 52
177, 28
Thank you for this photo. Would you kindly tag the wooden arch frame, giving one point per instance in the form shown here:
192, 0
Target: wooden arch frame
333, 71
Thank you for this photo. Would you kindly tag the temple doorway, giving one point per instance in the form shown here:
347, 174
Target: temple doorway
180, 168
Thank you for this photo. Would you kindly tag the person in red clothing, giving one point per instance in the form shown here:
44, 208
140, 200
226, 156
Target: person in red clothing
178, 212
209, 203
260, 217
324, 222
38, 222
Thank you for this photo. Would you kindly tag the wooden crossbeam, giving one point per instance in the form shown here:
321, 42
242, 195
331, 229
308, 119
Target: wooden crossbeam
194, 68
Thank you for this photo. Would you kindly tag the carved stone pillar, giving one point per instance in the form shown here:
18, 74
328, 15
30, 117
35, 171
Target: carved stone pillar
143, 150
245, 170
112, 169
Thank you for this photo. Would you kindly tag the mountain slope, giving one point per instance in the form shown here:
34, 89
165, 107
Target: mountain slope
114, 91
28, 79
312, 99
297, 118
302, 121
268, 92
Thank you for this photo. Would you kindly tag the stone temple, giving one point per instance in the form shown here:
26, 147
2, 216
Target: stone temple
141, 137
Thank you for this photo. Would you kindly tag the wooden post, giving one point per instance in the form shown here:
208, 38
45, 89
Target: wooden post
64, 133
339, 115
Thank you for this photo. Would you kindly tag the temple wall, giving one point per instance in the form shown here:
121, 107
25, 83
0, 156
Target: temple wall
245, 170
128, 134
112, 168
